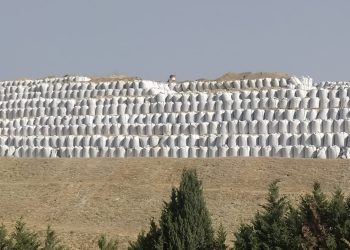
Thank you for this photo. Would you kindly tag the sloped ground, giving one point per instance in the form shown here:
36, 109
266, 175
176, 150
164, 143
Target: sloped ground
232, 76
82, 198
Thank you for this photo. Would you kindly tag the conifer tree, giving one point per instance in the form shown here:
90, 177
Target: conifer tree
269, 229
220, 240
185, 223
5, 242
326, 223
152, 240
185, 220
23, 238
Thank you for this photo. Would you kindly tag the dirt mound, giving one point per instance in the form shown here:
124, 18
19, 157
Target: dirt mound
83, 198
114, 78
231, 76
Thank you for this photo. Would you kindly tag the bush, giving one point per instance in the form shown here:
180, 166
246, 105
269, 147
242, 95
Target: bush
104, 244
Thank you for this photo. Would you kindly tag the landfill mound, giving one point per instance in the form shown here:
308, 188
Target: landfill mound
75, 116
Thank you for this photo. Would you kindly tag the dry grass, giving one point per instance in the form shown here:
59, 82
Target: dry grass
231, 76
82, 198
113, 78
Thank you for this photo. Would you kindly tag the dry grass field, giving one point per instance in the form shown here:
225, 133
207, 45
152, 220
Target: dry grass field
83, 198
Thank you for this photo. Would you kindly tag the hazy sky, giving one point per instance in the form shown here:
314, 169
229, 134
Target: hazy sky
191, 38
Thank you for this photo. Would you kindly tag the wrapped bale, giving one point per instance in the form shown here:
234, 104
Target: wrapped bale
315, 126
327, 126
316, 139
286, 151
340, 139
298, 151
222, 151
321, 153
328, 140
310, 151
333, 152
243, 127
255, 151
273, 140
273, 126
244, 151
338, 126
233, 152
276, 151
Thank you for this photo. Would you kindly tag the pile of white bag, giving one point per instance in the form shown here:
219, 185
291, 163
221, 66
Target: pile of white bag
76, 117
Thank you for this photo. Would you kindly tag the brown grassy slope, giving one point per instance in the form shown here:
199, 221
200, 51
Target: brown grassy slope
82, 198
231, 76
114, 78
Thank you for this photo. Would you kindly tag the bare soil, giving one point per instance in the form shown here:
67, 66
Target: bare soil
83, 198
231, 76
114, 78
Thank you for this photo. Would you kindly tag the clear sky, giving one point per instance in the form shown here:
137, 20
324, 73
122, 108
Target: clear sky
191, 38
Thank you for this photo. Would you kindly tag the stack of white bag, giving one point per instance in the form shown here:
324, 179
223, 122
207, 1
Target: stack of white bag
76, 117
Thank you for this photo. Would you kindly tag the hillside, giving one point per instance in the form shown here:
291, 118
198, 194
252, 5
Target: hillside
82, 198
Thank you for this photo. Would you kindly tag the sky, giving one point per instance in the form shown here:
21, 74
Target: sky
190, 38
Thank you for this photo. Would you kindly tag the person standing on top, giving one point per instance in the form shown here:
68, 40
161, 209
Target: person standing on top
172, 78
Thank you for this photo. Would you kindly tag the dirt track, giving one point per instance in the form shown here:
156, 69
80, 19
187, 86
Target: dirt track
82, 198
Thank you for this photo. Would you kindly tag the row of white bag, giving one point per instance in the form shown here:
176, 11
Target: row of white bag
186, 106
202, 128
340, 84
29, 82
238, 84
79, 94
146, 108
183, 118
183, 86
71, 87
321, 93
183, 97
184, 152
318, 139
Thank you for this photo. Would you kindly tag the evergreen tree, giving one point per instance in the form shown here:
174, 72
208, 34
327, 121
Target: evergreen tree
185, 220
270, 228
5, 243
246, 238
152, 240
326, 223
22, 238
185, 223
220, 241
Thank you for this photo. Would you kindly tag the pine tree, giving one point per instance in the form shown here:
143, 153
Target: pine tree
22, 238
269, 229
326, 223
5, 242
220, 240
152, 240
246, 238
185, 220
